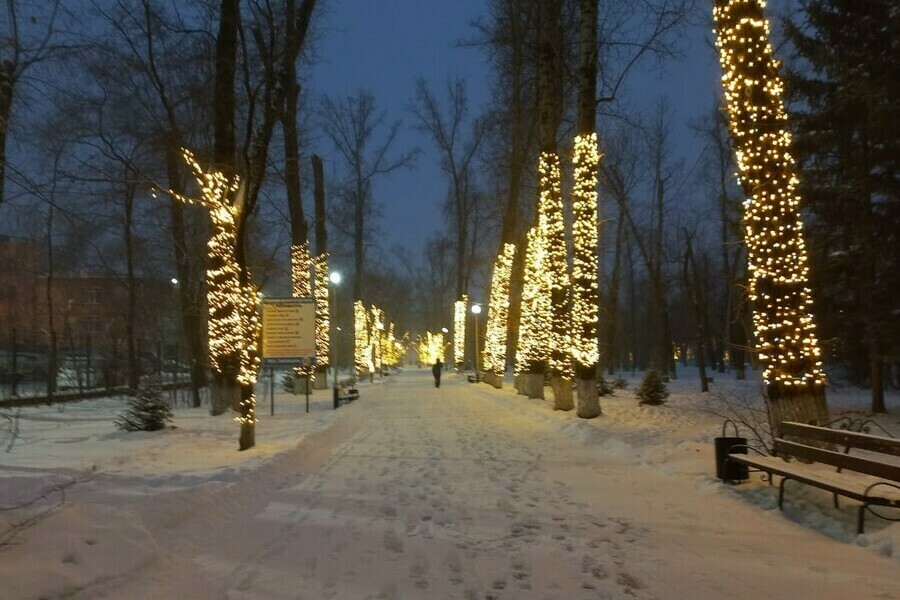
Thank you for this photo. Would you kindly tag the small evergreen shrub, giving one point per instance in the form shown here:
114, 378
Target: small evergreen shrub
148, 408
620, 383
653, 390
604, 388
287, 382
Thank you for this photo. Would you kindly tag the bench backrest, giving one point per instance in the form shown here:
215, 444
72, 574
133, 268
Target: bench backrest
849, 439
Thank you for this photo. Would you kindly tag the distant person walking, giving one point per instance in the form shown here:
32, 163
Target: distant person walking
436, 371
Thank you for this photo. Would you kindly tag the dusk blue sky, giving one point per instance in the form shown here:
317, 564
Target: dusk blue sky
383, 46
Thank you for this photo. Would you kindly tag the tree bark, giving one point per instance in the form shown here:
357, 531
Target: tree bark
7, 89
689, 276
131, 315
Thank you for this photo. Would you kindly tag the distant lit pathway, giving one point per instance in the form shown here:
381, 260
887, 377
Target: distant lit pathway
433, 494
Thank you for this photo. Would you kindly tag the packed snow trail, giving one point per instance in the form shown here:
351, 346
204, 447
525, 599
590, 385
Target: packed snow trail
416, 492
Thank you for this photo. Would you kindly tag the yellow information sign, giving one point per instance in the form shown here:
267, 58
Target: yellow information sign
288, 331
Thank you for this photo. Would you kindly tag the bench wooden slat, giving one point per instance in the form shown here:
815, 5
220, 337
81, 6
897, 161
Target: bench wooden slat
837, 459
847, 484
863, 441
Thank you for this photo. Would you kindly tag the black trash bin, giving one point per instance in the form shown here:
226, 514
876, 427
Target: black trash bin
728, 470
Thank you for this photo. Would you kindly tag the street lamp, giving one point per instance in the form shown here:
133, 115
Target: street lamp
335, 278
476, 310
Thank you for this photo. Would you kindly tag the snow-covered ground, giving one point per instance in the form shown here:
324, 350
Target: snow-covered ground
414, 492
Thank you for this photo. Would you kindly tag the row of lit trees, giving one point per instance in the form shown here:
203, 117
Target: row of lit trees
558, 323
375, 344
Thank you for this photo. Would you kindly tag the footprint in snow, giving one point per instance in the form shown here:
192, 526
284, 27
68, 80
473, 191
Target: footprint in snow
392, 542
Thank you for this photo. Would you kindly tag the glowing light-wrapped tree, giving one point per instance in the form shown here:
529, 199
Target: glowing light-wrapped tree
323, 318
531, 352
585, 235
494, 356
376, 338
431, 348
560, 357
778, 271
234, 324
585, 242
301, 287
459, 331
361, 338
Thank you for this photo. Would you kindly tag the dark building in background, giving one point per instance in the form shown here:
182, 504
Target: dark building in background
90, 315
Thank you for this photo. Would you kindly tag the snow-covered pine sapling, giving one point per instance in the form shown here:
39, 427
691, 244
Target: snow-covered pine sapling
148, 408
652, 391
604, 388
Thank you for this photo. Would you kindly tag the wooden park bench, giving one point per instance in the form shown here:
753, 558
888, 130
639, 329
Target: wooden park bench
805, 452
343, 395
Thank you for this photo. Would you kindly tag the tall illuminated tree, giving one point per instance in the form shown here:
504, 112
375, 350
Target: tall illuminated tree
550, 109
556, 264
321, 288
233, 299
361, 338
322, 295
778, 272
534, 320
497, 320
585, 237
459, 331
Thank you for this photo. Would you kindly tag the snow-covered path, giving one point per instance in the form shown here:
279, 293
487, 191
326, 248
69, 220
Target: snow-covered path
418, 492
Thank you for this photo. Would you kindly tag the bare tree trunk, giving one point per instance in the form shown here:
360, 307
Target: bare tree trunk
52, 358
191, 298
133, 365
7, 88
692, 285
869, 293
613, 352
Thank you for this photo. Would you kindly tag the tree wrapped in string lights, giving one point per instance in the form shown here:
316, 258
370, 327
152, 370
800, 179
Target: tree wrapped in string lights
431, 348
494, 356
557, 266
459, 331
531, 352
376, 338
234, 324
323, 319
301, 287
778, 271
362, 340
585, 242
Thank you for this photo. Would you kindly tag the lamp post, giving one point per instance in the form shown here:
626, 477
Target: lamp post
335, 278
476, 310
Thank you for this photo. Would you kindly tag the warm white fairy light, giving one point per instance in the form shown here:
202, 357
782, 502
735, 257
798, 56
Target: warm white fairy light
301, 272
494, 355
778, 270
559, 334
233, 307
585, 347
376, 329
531, 351
301, 287
362, 346
431, 348
323, 319
459, 330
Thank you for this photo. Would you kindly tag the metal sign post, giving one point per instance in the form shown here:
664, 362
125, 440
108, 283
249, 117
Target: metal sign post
272, 390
